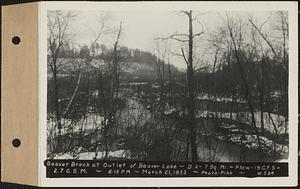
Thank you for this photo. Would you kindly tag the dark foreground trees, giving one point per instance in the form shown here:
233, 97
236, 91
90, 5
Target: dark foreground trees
58, 36
189, 40
109, 100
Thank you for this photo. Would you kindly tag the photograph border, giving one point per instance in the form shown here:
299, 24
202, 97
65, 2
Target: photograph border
291, 7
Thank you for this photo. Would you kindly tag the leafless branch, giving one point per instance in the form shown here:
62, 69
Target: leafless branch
198, 34
199, 69
187, 63
265, 38
200, 14
174, 37
73, 96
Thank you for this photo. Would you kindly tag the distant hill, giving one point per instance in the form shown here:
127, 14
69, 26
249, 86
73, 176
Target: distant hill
135, 65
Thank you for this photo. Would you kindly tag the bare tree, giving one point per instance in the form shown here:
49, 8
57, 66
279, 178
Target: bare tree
160, 69
170, 81
236, 35
281, 25
109, 88
189, 39
58, 35
260, 80
279, 48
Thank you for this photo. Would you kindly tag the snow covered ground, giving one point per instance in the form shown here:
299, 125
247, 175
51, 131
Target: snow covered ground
205, 96
272, 122
136, 114
251, 142
89, 122
91, 155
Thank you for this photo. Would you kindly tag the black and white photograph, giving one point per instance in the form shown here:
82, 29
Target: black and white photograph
182, 85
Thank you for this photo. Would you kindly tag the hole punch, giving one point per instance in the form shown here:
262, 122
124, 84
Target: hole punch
16, 142
16, 40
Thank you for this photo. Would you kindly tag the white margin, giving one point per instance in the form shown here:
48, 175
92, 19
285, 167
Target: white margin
292, 7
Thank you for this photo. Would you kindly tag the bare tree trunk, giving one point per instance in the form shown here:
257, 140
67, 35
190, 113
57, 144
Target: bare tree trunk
170, 82
187, 150
191, 95
190, 80
232, 103
163, 83
244, 81
261, 96
73, 95
57, 111
106, 139
114, 93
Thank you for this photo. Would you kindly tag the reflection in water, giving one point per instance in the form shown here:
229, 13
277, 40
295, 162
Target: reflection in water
208, 147
226, 152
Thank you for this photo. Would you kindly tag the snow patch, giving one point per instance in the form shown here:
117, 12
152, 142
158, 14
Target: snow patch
91, 155
273, 123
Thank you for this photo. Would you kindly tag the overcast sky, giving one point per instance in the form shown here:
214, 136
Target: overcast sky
140, 28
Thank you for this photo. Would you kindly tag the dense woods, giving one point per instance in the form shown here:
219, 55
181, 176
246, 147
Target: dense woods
114, 102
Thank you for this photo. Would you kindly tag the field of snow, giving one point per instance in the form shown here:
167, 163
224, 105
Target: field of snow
205, 96
250, 142
90, 122
91, 155
272, 122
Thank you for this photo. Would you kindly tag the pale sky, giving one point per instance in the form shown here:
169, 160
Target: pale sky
140, 28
